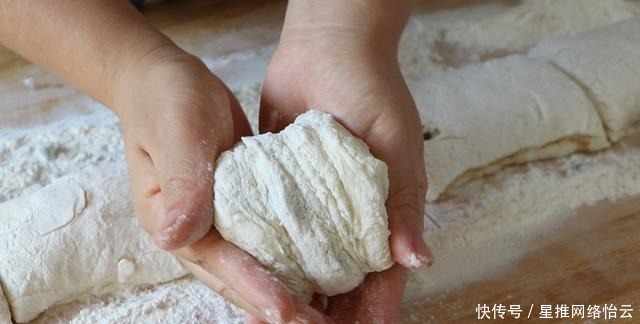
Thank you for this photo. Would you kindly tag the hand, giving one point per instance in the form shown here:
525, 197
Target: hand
176, 118
357, 79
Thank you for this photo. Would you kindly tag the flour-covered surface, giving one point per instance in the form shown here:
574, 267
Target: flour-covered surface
489, 222
523, 26
77, 236
33, 157
185, 301
47, 130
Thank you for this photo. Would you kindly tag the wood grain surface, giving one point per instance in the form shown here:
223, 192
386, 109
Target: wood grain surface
594, 258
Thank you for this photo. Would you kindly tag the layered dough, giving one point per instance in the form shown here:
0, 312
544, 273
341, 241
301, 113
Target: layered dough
308, 203
75, 237
511, 110
606, 62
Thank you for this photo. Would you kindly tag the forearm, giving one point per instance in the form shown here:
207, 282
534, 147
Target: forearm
373, 21
86, 42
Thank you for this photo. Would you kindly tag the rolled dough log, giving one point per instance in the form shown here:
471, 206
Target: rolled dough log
512, 110
75, 237
5, 314
308, 203
606, 62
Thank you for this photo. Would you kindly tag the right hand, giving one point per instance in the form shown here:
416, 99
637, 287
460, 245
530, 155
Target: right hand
176, 118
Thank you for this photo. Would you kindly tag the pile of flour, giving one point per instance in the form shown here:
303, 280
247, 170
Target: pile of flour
184, 300
33, 157
506, 212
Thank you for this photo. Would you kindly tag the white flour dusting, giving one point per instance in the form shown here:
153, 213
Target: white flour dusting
534, 20
32, 157
492, 221
182, 301
505, 212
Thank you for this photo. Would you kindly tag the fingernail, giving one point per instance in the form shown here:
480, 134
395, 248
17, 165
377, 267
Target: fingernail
306, 314
172, 230
180, 229
273, 316
171, 218
421, 257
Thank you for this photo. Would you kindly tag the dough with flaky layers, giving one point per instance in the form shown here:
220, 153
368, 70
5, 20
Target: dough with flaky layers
308, 203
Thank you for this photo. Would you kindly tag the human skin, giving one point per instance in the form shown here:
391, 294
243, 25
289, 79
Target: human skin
176, 116
341, 57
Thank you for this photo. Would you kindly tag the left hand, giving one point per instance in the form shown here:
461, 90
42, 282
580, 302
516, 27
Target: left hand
359, 82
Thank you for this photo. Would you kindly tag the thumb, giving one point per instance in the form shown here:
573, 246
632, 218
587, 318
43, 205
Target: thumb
186, 186
185, 171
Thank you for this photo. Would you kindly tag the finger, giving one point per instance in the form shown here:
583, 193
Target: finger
377, 300
216, 285
279, 105
241, 125
241, 273
185, 162
250, 319
319, 302
405, 208
307, 314
397, 141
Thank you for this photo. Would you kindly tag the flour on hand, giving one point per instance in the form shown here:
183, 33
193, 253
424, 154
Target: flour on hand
77, 236
484, 116
308, 203
606, 62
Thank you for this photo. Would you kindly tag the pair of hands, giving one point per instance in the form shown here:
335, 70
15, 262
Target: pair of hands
177, 117
337, 56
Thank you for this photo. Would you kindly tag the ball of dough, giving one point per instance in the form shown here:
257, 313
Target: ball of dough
308, 203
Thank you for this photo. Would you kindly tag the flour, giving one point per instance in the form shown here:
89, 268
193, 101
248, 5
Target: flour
534, 20
504, 111
182, 301
457, 229
422, 51
74, 237
605, 63
492, 221
32, 158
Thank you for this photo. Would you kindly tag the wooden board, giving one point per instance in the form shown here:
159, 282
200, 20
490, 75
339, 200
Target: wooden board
594, 258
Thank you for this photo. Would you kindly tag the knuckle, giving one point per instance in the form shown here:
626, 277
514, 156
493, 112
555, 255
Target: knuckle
194, 255
178, 184
409, 200
201, 252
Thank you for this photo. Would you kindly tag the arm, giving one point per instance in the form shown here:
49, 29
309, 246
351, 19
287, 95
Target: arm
377, 23
87, 43
176, 117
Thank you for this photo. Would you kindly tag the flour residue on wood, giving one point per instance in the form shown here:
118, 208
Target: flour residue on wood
480, 228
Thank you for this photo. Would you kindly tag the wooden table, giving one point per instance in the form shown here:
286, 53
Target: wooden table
592, 259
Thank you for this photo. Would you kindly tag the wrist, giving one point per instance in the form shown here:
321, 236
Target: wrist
369, 23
